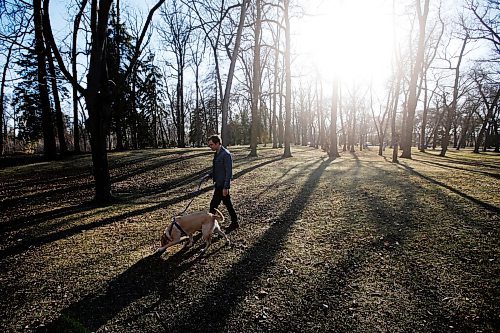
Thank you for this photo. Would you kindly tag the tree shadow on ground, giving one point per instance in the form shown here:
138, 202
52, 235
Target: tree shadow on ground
147, 276
48, 236
483, 204
153, 276
204, 316
472, 162
395, 223
449, 166
82, 181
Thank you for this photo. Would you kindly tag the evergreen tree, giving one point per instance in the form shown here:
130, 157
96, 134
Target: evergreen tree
27, 100
119, 49
196, 133
150, 102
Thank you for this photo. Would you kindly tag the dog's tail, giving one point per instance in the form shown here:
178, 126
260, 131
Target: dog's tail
218, 213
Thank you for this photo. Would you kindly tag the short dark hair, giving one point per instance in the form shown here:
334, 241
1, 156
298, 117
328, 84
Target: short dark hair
215, 138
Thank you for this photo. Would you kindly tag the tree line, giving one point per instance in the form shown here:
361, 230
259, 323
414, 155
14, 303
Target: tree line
111, 75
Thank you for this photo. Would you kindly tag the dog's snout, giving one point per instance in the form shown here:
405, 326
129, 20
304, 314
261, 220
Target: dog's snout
163, 240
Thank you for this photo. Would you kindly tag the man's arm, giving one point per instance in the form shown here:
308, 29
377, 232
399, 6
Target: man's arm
228, 166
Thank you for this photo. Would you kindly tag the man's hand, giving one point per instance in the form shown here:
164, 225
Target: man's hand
225, 192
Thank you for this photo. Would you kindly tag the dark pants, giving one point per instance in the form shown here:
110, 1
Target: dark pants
217, 198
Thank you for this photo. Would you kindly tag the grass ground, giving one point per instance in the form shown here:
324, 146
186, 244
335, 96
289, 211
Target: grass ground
357, 244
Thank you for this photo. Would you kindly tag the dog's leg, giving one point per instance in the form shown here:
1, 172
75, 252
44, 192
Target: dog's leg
207, 245
219, 231
165, 247
208, 240
191, 241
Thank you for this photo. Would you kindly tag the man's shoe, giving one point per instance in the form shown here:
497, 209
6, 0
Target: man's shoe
232, 226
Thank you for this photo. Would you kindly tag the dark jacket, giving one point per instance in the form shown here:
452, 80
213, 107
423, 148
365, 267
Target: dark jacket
222, 169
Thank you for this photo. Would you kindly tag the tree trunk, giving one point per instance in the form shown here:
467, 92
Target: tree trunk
3, 127
453, 108
49, 139
413, 93
254, 133
98, 102
288, 82
274, 131
76, 125
281, 128
232, 65
423, 144
465, 128
334, 152
395, 135
490, 107
61, 129
352, 129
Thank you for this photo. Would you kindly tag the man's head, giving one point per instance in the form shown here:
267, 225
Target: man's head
214, 142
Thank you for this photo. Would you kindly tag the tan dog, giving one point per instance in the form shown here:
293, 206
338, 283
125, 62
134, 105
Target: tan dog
187, 225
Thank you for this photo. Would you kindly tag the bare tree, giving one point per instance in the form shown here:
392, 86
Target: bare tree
234, 57
61, 128
99, 89
411, 106
490, 94
333, 152
429, 58
395, 135
74, 72
451, 109
381, 120
288, 82
178, 35
256, 81
486, 14
49, 139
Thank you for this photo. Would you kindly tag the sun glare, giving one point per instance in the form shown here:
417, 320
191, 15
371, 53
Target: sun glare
349, 39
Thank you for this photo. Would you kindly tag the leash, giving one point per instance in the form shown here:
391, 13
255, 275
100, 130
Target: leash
198, 190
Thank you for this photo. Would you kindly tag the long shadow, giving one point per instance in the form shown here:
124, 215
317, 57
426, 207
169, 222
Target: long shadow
34, 219
277, 181
51, 237
395, 224
205, 317
478, 202
484, 173
33, 242
472, 162
271, 159
39, 218
9, 202
195, 177
147, 276
38, 180
40, 196
23, 222
428, 298
157, 164
18, 160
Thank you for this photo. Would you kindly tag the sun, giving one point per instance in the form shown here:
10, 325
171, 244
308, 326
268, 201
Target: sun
352, 40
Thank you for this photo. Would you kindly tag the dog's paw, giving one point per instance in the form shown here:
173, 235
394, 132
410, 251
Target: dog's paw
159, 251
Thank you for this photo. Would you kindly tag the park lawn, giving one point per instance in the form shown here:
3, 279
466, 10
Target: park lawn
356, 244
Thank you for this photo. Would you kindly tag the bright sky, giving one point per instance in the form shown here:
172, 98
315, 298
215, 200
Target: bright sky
352, 39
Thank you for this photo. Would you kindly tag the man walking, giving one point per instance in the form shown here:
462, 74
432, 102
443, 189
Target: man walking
222, 173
